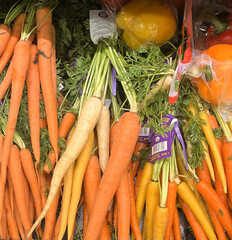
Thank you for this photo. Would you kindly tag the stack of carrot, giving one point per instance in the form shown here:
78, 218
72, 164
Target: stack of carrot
91, 152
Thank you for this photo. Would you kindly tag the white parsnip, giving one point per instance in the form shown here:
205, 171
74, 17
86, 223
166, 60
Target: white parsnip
103, 137
89, 116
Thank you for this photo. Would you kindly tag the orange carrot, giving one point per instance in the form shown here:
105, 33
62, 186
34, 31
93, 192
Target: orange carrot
203, 173
44, 41
11, 44
123, 203
28, 167
11, 190
64, 128
16, 173
85, 218
5, 32
31, 207
137, 182
21, 56
42, 119
176, 225
171, 203
196, 227
42, 187
26, 190
109, 216
122, 150
53, 60
33, 90
3, 224
227, 157
113, 131
133, 216
135, 165
212, 198
172, 235
5, 84
57, 227
11, 222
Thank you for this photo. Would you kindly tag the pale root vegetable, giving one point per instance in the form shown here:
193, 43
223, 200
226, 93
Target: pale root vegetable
88, 118
78, 176
103, 136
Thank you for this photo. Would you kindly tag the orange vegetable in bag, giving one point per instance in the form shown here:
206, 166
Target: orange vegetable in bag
214, 85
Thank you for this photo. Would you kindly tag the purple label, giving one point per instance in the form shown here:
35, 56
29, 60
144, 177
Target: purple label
145, 133
114, 82
0, 103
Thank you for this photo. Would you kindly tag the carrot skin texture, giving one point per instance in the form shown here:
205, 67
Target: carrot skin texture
176, 225
137, 182
85, 218
196, 227
5, 32
33, 91
214, 201
53, 60
122, 150
21, 56
12, 42
123, 200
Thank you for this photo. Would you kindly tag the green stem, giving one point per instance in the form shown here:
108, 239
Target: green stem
172, 164
164, 190
156, 170
224, 126
106, 84
220, 26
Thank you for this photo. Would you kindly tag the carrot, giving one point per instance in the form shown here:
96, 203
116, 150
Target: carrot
115, 215
160, 222
204, 172
135, 165
50, 218
189, 198
11, 190
5, 84
103, 135
31, 207
42, 187
212, 121
113, 132
42, 119
214, 201
57, 227
141, 197
44, 41
12, 42
26, 189
171, 203
3, 224
18, 220
85, 218
53, 60
92, 179
176, 225
137, 182
16, 173
123, 202
28, 167
110, 215
11, 222
226, 156
133, 217
196, 227
78, 176
5, 32
33, 91
67, 122
21, 56
213, 146
121, 153
172, 235
88, 118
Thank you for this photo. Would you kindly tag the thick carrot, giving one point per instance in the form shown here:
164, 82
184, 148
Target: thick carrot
53, 61
133, 216
103, 135
141, 197
5, 84
189, 198
135, 165
21, 56
5, 32
160, 222
137, 182
85, 218
88, 118
12, 42
171, 203
44, 41
152, 201
120, 157
196, 227
66, 124
214, 201
28, 167
123, 200
176, 225
11, 221
16, 173
205, 125
227, 157
78, 175
33, 91
92, 179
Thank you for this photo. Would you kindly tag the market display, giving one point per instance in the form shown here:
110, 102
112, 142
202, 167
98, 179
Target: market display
116, 120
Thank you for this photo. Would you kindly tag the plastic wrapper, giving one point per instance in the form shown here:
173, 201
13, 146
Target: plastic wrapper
210, 68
